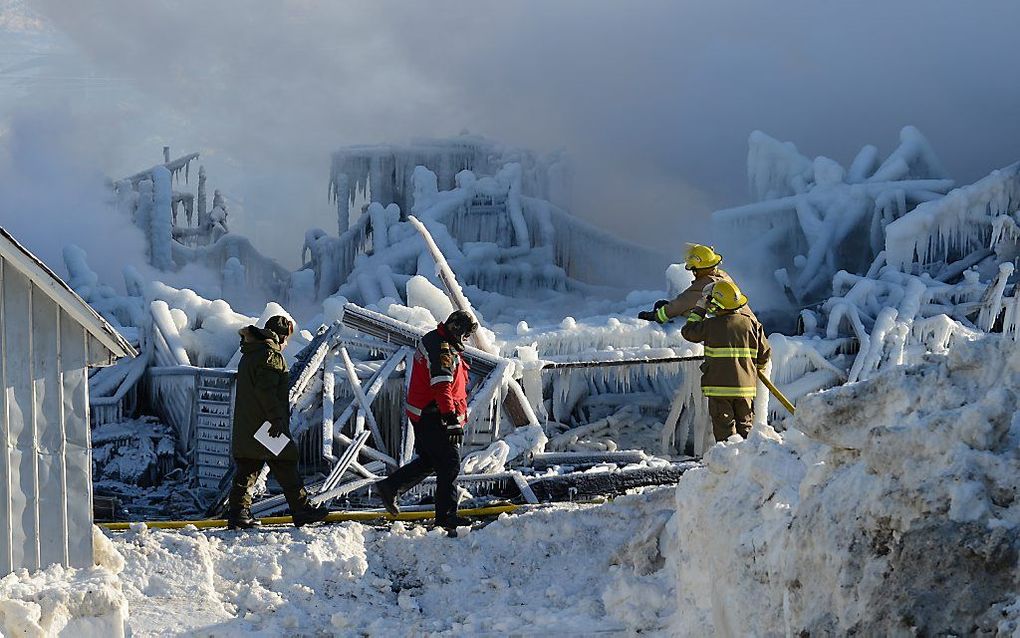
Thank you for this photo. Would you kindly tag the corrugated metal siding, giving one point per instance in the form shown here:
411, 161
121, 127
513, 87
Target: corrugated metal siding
45, 463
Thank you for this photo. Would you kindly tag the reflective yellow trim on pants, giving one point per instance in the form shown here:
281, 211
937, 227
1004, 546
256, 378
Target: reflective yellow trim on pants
728, 392
694, 318
730, 353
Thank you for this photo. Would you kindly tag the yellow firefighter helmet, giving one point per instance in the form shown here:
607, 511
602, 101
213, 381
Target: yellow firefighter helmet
727, 295
699, 256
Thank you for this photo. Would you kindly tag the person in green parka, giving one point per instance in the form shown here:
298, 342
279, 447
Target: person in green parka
263, 385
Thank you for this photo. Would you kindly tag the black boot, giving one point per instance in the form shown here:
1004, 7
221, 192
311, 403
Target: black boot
453, 522
388, 498
241, 519
310, 514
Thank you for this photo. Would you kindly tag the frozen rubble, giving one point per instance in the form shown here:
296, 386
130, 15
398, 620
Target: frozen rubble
889, 508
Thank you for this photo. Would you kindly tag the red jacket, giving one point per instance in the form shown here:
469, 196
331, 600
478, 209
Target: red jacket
438, 378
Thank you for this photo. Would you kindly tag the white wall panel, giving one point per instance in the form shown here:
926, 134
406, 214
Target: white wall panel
45, 453
17, 323
49, 426
78, 450
6, 529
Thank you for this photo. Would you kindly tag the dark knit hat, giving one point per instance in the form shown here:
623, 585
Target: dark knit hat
281, 325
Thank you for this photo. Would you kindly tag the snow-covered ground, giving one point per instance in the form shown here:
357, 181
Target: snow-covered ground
568, 570
890, 509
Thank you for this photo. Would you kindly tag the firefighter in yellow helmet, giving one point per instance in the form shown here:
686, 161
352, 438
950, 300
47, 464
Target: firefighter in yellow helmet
735, 349
704, 262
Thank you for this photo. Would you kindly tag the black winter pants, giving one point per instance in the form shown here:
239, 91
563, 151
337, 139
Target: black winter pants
435, 454
286, 474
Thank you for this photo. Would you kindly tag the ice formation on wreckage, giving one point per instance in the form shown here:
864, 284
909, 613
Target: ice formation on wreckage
882, 260
495, 219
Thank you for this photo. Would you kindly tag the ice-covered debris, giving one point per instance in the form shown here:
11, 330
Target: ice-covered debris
949, 228
422, 293
814, 218
775, 169
869, 516
525, 440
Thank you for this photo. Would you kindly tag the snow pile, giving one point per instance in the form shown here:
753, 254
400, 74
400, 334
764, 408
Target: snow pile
573, 569
891, 508
86, 603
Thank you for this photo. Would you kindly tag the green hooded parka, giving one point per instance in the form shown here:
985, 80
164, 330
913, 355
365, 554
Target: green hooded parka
263, 385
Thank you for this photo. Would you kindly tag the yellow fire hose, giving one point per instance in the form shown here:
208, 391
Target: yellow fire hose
776, 393
333, 517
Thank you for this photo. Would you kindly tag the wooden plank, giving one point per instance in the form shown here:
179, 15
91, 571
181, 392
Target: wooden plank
312, 365
341, 490
375, 385
407, 440
582, 485
368, 451
364, 405
349, 456
328, 401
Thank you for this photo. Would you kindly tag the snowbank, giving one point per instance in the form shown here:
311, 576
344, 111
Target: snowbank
85, 603
891, 509
569, 569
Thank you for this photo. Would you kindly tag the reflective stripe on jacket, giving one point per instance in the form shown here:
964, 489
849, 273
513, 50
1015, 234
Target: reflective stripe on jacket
735, 347
439, 377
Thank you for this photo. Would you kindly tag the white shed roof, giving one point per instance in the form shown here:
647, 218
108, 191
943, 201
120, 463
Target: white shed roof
62, 294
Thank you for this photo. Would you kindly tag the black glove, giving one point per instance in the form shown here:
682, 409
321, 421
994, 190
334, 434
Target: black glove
660, 303
647, 315
454, 429
278, 427
455, 434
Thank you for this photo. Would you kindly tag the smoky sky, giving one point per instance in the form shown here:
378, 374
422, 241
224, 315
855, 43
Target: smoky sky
653, 100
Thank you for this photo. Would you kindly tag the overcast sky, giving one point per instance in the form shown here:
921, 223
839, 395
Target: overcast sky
654, 100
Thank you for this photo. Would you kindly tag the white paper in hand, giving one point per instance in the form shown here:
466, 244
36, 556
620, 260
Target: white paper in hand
274, 444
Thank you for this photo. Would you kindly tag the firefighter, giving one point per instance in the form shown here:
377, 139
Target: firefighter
437, 408
263, 382
703, 262
735, 350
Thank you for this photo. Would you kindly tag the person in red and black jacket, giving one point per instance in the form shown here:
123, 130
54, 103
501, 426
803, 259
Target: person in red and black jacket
437, 408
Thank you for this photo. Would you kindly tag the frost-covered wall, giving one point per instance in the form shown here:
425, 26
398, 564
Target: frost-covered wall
48, 340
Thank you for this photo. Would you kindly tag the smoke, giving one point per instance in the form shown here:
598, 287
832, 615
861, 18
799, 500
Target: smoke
654, 100
52, 196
